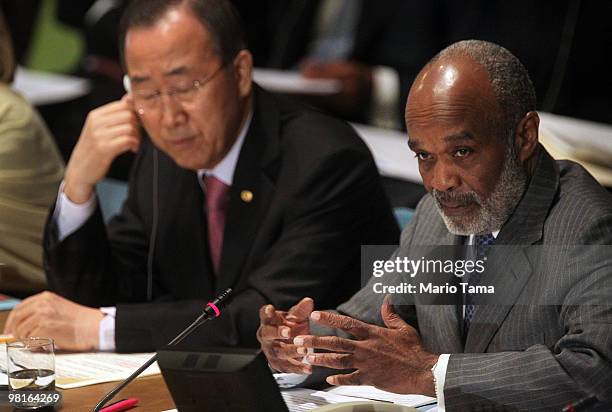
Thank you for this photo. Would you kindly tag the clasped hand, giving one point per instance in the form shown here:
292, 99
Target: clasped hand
391, 358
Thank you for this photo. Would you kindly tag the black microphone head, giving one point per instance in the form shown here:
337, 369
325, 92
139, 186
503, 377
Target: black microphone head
214, 308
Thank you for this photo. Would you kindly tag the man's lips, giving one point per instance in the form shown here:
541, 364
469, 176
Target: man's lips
183, 141
456, 208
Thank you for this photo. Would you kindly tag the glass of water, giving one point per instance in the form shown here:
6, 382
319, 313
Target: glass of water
31, 372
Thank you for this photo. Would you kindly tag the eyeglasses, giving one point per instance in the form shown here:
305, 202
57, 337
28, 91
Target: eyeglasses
150, 101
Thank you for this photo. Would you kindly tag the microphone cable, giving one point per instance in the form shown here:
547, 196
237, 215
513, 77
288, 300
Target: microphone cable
153, 237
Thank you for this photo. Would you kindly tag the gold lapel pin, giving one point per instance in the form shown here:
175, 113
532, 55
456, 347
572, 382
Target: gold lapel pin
246, 196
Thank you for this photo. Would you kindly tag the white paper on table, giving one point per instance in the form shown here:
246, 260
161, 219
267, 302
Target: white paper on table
372, 393
3, 379
581, 139
391, 153
84, 369
41, 88
302, 399
289, 81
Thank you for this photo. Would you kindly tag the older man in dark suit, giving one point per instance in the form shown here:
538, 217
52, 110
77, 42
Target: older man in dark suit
235, 188
546, 338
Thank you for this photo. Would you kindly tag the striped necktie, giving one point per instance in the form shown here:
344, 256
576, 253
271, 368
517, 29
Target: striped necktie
483, 243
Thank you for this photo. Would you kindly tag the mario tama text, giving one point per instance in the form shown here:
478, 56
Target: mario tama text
431, 288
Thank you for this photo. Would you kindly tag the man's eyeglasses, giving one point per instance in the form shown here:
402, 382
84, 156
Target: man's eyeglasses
150, 101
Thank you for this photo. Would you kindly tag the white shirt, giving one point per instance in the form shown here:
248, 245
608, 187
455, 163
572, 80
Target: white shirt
71, 216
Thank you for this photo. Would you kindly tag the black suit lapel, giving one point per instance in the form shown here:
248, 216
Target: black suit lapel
442, 318
251, 192
182, 231
510, 280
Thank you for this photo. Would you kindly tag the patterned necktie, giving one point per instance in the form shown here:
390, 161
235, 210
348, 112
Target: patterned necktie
217, 197
483, 243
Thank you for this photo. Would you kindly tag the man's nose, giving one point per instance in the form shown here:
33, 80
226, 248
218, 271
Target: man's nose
173, 113
444, 177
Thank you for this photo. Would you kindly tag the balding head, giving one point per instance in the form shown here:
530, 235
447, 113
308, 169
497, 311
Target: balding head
506, 78
451, 88
471, 122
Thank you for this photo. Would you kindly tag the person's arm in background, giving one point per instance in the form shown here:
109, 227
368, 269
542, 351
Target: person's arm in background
411, 34
376, 80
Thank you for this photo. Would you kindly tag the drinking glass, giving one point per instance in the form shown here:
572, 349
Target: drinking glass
31, 372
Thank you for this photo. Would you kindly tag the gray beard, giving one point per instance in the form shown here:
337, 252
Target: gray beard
493, 212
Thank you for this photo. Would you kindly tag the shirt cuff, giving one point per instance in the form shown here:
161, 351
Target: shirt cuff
439, 372
71, 216
107, 330
289, 380
385, 98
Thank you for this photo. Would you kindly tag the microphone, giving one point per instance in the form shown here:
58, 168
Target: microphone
211, 311
590, 404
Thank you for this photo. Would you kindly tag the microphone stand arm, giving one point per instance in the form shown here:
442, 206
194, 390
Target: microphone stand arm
200, 320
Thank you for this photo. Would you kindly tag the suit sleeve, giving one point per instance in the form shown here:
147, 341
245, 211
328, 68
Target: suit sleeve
86, 268
338, 205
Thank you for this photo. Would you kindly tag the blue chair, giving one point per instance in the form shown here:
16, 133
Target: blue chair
403, 216
111, 195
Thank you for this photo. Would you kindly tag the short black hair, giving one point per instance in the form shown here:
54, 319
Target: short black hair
219, 17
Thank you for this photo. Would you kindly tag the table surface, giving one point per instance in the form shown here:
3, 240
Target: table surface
151, 391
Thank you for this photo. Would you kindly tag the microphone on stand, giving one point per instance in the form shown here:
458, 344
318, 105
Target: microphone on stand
212, 310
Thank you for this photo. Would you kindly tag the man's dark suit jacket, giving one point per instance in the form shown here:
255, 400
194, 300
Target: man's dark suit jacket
317, 198
529, 355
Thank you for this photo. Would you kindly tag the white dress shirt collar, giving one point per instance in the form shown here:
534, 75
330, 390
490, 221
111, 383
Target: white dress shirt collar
224, 170
472, 238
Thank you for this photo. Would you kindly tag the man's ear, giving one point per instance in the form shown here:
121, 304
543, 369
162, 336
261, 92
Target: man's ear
243, 65
526, 135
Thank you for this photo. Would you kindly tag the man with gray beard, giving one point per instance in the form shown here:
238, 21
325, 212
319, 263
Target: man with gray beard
494, 211
547, 341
